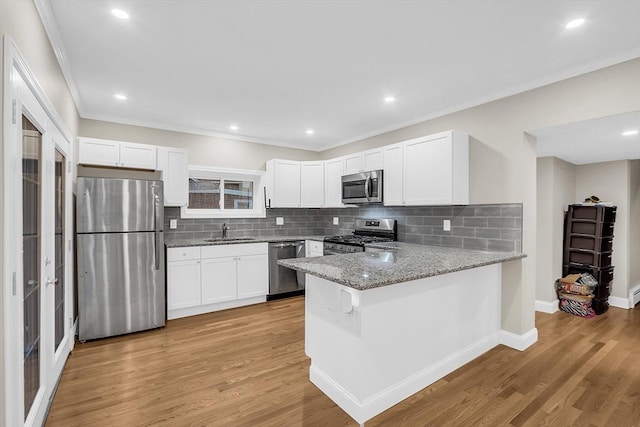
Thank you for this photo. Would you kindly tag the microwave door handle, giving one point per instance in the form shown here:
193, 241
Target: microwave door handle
366, 187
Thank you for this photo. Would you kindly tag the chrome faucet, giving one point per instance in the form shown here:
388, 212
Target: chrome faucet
225, 228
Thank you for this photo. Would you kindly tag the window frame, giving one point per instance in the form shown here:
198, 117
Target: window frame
227, 174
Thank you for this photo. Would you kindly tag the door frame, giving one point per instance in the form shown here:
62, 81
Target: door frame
17, 79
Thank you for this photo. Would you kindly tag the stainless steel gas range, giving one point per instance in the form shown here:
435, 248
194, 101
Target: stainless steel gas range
366, 231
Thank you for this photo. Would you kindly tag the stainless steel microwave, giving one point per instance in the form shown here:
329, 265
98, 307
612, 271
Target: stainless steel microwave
363, 187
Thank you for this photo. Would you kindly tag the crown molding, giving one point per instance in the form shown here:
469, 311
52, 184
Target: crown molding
55, 39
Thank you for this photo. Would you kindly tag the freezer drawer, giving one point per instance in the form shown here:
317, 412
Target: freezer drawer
121, 285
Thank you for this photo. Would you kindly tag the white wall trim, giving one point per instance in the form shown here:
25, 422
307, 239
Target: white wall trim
619, 302
51, 28
518, 342
547, 307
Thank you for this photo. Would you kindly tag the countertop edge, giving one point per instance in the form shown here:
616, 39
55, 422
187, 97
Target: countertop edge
406, 278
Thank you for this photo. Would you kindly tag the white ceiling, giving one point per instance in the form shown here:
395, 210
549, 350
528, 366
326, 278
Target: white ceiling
277, 68
591, 141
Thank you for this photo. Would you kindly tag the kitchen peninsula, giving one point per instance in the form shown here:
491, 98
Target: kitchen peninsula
382, 325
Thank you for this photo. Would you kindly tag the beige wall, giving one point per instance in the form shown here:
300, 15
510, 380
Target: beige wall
556, 189
203, 150
634, 224
20, 21
503, 158
610, 182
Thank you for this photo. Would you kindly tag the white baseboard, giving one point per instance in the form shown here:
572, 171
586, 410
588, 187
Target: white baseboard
547, 307
361, 411
518, 342
619, 302
634, 295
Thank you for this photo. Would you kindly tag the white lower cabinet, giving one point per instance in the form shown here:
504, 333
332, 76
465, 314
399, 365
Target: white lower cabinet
253, 276
218, 280
215, 278
185, 279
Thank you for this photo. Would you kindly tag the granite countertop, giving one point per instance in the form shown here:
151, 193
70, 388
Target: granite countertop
396, 262
178, 243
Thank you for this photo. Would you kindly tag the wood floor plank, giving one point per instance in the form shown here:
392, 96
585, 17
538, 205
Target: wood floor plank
247, 367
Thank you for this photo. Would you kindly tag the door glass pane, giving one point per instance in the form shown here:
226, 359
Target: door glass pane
59, 261
238, 194
31, 244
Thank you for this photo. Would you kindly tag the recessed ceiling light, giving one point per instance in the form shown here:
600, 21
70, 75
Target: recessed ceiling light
120, 96
630, 132
233, 127
119, 13
574, 24
389, 99
309, 131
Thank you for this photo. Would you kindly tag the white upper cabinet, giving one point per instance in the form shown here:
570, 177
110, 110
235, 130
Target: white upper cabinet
174, 164
364, 161
392, 175
283, 183
430, 170
372, 160
98, 152
102, 152
353, 163
311, 184
333, 171
138, 156
436, 169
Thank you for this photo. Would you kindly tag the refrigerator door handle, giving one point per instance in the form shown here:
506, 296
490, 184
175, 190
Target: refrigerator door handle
156, 228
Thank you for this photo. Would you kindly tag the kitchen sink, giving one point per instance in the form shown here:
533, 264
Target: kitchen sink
229, 239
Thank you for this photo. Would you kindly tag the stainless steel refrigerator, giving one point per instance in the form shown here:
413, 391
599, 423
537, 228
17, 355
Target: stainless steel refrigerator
120, 244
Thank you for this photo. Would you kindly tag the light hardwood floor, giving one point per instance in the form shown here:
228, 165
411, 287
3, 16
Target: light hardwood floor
247, 367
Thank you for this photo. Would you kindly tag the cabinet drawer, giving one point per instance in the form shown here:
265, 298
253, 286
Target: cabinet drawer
591, 243
595, 259
183, 254
228, 250
594, 213
598, 229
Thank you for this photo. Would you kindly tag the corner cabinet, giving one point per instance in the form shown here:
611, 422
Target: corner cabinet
102, 152
202, 279
174, 165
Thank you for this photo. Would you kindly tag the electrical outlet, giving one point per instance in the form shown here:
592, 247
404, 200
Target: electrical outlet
446, 225
279, 220
173, 224
336, 220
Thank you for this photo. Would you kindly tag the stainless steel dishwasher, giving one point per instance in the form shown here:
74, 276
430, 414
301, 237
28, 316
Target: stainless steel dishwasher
285, 281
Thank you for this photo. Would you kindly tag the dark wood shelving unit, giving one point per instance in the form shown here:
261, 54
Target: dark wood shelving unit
588, 247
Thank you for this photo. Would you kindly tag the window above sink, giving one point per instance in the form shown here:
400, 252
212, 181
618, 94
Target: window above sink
224, 193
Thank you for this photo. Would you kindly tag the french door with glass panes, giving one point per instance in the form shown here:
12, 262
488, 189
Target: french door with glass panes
38, 309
